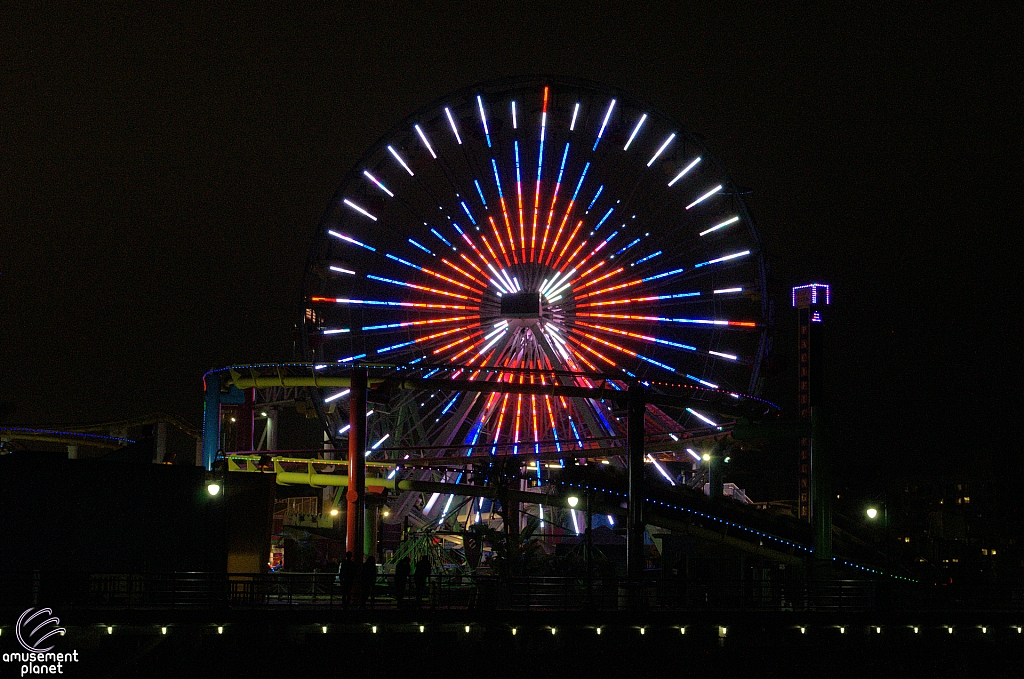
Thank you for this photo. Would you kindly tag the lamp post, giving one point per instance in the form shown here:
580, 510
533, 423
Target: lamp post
872, 514
217, 490
588, 544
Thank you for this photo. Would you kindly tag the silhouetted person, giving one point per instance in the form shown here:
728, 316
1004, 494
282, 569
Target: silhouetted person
346, 578
367, 580
402, 570
421, 576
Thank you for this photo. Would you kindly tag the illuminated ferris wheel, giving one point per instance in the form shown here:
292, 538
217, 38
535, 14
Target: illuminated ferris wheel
538, 225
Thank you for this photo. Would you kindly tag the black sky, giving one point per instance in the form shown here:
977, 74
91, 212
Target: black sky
163, 171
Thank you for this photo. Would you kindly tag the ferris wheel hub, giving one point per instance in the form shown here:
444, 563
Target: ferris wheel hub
521, 305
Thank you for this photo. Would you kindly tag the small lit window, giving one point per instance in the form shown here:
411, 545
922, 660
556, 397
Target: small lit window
956, 560
967, 500
906, 539
993, 552
984, 552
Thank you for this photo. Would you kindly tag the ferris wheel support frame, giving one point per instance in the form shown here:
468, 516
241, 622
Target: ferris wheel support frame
635, 398
355, 521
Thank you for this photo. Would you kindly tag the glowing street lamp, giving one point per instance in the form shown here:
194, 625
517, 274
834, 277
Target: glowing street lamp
873, 515
573, 501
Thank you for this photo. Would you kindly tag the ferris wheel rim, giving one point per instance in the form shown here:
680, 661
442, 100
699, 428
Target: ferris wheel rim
491, 84
517, 83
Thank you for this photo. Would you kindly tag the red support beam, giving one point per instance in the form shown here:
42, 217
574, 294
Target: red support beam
356, 495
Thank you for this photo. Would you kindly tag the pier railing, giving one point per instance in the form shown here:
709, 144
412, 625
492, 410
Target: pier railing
484, 593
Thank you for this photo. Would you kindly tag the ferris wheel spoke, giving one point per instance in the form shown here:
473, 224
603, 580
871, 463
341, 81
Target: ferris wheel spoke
511, 231
709, 323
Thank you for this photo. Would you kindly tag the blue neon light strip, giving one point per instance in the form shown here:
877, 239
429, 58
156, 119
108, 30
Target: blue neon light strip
600, 132
561, 169
351, 240
422, 248
516, 146
680, 508
596, 195
388, 280
723, 259
607, 424
641, 261
480, 191
580, 182
395, 346
473, 436
497, 179
443, 239
540, 157
402, 261
466, 209
660, 365
661, 275
606, 216
403, 284
627, 247
661, 319
674, 344
646, 338
351, 358
576, 433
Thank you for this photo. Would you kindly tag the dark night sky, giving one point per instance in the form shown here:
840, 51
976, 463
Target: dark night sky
163, 172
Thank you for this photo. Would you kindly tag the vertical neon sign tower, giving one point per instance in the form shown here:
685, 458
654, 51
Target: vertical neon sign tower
809, 301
